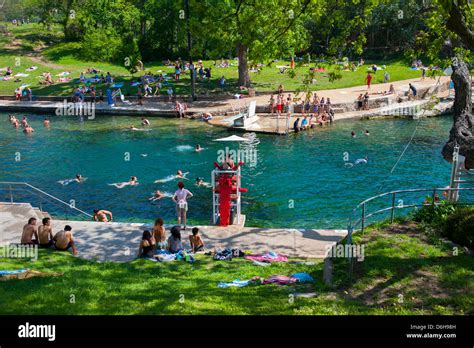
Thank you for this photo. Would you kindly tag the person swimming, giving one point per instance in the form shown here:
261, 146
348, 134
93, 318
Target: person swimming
179, 175
361, 160
367, 133
157, 195
145, 122
46, 122
132, 182
353, 134
198, 148
201, 182
28, 129
78, 178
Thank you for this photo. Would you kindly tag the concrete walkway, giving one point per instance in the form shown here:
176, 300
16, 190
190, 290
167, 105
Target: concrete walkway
119, 241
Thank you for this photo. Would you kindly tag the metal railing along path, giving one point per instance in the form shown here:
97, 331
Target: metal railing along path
354, 224
13, 189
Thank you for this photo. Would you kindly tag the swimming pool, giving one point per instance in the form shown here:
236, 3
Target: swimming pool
299, 181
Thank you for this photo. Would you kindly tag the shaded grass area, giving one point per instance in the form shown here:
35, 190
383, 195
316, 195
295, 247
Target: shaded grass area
404, 272
59, 56
408, 269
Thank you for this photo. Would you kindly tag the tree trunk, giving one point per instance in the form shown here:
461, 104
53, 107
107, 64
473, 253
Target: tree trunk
244, 76
462, 132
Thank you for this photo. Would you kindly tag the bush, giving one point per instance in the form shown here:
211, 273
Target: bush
459, 227
101, 44
434, 216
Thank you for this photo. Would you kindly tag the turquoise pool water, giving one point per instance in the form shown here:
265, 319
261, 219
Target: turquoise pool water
299, 181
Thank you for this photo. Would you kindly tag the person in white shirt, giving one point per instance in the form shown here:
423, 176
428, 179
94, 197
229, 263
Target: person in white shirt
180, 198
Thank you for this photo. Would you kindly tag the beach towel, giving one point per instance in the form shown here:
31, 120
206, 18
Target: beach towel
270, 257
25, 274
223, 255
117, 85
303, 277
235, 283
166, 257
258, 263
185, 256
7, 272
21, 75
64, 73
32, 68
280, 279
6, 78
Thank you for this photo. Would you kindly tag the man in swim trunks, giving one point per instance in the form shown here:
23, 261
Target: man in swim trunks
101, 215
45, 234
63, 240
30, 230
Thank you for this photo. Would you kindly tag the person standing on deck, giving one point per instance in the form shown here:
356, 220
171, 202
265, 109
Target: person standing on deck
180, 198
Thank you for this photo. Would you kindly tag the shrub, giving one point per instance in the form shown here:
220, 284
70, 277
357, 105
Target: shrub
101, 44
436, 215
459, 227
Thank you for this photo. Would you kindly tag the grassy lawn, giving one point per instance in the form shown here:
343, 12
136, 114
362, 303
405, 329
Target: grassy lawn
399, 260
57, 57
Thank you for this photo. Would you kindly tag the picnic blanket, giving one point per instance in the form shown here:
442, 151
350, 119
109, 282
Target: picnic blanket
235, 283
21, 75
268, 257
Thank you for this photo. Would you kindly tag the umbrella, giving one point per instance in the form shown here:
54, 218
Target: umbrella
232, 138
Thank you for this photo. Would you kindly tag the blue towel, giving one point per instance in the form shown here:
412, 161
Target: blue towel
236, 283
18, 271
303, 277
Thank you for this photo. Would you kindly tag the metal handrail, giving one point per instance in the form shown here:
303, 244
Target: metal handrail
352, 226
39, 191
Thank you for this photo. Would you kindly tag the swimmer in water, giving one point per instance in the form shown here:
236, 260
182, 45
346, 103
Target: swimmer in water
156, 196
353, 134
132, 127
179, 175
15, 123
145, 122
102, 215
24, 122
362, 160
198, 148
201, 182
28, 129
367, 133
79, 178
133, 182
46, 122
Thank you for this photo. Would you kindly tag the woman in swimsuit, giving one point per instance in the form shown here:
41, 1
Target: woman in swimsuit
147, 245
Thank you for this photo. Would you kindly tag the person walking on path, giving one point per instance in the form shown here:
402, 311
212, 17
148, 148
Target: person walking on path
368, 79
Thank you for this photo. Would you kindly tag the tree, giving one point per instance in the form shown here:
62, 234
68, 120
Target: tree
256, 30
450, 40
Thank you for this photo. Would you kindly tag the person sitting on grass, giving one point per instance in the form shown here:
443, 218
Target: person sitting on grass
30, 230
63, 240
147, 245
45, 234
101, 215
159, 234
197, 244
174, 243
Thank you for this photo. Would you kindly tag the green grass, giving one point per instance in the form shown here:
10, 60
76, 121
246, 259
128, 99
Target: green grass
427, 275
65, 57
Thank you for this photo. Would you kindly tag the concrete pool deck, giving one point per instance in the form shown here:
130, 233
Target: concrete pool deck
118, 242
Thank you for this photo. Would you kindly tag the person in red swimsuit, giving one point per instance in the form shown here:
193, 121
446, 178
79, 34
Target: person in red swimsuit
368, 79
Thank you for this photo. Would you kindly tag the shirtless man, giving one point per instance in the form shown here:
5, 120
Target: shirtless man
79, 178
101, 215
28, 130
145, 122
198, 148
46, 122
30, 230
24, 122
45, 234
63, 240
